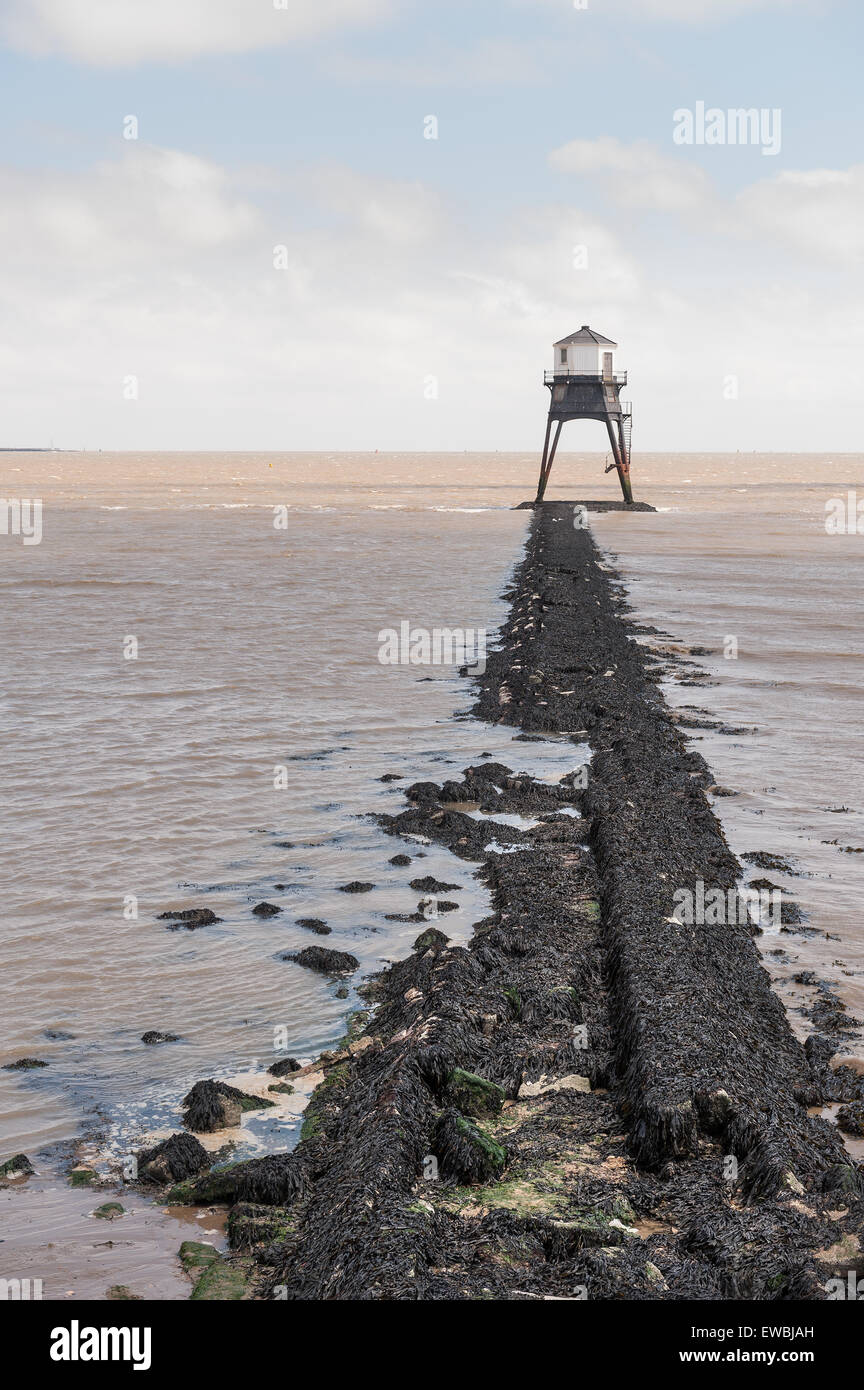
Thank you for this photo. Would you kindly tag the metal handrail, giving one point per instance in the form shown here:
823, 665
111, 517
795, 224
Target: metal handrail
556, 375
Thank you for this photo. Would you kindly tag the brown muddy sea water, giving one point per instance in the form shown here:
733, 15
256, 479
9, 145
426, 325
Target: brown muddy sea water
135, 785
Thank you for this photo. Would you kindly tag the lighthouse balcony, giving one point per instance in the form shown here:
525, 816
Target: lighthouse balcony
559, 375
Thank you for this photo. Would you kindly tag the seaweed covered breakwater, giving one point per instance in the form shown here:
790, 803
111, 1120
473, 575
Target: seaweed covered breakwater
592, 1099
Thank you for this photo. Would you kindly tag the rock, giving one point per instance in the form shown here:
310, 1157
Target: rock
196, 1255
324, 961
714, 1108
284, 1066
491, 771
212, 1105
424, 791
282, 1088
25, 1064
456, 791
401, 861
221, 1282
843, 1252
266, 910
153, 1038
58, 1035
392, 777
444, 906
763, 860
332, 1059
219, 1185
473, 1095
850, 1118
819, 1050
314, 924
356, 887
19, 1166
274, 1180
177, 1158
110, 1211
544, 1086
119, 1293
791, 914
431, 940
342, 992
250, 1224
429, 884
464, 1151
842, 1179
82, 1177
191, 918
215, 1279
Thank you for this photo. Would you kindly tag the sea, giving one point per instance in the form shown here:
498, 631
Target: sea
198, 710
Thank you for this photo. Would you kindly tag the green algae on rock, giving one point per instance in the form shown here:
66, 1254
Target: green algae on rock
19, 1166
110, 1211
472, 1095
465, 1151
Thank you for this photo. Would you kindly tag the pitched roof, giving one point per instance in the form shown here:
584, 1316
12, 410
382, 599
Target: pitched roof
586, 335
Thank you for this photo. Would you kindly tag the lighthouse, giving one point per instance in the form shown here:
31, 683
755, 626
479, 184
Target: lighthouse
585, 385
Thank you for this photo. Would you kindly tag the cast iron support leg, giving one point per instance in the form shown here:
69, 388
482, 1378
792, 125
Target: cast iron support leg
621, 464
624, 471
541, 481
544, 476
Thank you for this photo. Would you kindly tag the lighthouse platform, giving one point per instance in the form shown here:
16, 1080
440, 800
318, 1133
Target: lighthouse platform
607, 505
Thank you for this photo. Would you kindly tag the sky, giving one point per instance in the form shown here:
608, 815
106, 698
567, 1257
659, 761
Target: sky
361, 224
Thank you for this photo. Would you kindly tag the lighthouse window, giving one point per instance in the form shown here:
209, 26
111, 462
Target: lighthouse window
563, 352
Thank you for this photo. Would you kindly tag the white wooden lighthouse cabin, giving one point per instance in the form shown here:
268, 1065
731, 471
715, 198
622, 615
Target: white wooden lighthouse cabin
584, 384
585, 353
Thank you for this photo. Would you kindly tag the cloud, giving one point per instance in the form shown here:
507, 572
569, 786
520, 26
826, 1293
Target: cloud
160, 265
123, 32
491, 60
818, 212
702, 11
692, 11
391, 210
147, 204
637, 175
